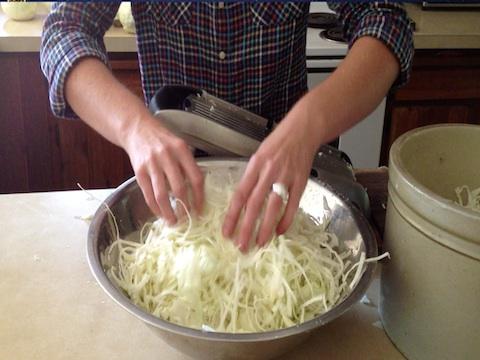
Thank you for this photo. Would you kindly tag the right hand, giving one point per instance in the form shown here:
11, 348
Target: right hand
163, 163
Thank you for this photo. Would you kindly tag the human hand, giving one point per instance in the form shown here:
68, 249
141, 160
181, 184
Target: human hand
285, 157
163, 163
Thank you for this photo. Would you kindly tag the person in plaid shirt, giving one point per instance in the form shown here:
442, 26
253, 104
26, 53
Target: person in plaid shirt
250, 54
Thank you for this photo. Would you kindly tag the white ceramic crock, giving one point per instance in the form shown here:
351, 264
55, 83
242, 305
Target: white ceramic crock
19, 10
430, 289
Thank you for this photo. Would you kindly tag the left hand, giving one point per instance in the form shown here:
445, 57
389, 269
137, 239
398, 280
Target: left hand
284, 157
321, 115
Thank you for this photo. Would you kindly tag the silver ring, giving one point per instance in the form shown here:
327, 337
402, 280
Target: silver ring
281, 190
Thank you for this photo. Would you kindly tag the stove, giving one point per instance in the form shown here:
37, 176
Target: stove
319, 41
328, 23
326, 48
322, 20
333, 34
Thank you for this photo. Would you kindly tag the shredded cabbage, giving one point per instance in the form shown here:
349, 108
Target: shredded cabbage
125, 17
190, 275
468, 198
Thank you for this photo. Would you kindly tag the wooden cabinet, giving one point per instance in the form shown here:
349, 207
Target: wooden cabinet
39, 152
444, 88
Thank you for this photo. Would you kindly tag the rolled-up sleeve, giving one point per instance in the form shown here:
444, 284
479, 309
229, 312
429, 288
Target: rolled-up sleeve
386, 21
72, 31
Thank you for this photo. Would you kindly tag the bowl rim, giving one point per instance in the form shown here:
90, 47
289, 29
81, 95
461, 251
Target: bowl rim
94, 262
398, 166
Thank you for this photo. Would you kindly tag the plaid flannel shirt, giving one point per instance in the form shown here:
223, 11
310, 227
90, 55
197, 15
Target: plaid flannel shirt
252, 54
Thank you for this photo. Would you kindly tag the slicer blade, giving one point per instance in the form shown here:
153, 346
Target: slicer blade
223, 129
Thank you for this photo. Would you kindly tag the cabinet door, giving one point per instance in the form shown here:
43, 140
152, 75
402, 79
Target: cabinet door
408, 117
42, 153
444, 88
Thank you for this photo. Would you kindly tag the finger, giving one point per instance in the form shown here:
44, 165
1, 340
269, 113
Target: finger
145, 184
161, 197
177, 185
252, 210
292, 207
195, 178
274, 206
239, 198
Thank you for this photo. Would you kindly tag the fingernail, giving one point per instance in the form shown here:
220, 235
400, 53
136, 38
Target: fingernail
226, 230
237, 243
243, 248
264, 241
259, 242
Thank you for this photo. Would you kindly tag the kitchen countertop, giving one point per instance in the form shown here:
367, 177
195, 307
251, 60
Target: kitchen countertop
435, 30
25, 36
52, 308
440, 29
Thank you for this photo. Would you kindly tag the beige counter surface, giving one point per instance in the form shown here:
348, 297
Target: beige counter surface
445, 29
25, 36
52, 308
435, 29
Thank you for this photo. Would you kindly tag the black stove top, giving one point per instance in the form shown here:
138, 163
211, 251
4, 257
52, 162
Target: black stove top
334, 34
332, 29
322, 20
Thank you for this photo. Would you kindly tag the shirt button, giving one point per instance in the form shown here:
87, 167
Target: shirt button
222, 55
221, 5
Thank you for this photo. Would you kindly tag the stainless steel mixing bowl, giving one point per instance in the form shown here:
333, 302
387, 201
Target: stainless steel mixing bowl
131, 212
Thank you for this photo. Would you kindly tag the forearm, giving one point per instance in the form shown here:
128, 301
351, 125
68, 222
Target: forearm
353, 91
103, 102
162, 162
72, 32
